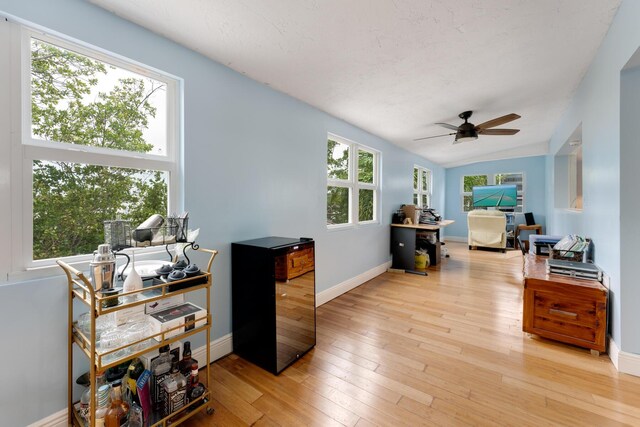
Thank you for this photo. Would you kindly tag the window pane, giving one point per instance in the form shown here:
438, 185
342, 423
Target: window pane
415, 199
415, 178
337, 160
427, 188
472, 180
424, 181
365, 198
425, 201
337, 205
365, 167
79, 100
510, 178
71, 201
467, 202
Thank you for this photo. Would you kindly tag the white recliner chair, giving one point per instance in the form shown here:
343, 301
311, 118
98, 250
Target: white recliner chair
487, 229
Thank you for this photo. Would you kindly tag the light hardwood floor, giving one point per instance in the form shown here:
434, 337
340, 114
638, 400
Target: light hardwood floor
447, 349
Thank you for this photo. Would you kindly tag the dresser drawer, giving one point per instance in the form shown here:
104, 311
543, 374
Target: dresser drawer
565, 309
294, 264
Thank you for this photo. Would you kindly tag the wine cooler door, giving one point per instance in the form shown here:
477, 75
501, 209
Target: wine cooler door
295, 315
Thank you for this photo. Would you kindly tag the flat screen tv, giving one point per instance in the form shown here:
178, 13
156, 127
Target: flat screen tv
495, 196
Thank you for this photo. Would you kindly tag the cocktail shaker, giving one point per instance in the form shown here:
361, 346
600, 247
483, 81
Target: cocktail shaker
103, 268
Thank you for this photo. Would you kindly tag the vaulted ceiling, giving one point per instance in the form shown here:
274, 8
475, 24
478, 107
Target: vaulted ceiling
397, 67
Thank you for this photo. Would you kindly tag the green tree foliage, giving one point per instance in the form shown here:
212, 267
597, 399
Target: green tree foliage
338, 197
71, 200
365, 175
471, 181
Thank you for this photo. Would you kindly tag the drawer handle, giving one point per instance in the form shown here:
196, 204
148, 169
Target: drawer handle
562, 312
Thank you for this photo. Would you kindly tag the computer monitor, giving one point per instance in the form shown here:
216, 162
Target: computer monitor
528, 217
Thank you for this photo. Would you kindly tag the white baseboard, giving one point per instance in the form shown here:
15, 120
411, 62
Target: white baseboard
456, 239
59, 419
614, 352
626, 363
339, 289
219, 348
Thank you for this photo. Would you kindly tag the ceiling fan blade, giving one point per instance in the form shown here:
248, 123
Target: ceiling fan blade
498, 131
436, 136
448, 126
498, 121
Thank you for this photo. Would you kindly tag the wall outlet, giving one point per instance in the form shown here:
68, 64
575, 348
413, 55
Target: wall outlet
605, 280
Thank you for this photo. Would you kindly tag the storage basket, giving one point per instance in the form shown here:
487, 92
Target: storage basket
567, 255
117, 233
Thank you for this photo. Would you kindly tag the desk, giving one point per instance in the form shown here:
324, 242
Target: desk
565, 309
403, 244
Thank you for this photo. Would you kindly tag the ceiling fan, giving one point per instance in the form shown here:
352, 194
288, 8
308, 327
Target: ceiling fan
469, 132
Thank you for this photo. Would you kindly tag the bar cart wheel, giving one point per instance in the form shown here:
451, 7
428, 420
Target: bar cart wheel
210, 410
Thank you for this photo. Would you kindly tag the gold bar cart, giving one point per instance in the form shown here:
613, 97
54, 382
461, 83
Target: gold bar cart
81, 289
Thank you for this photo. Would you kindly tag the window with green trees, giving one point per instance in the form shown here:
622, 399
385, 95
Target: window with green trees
101, 146
470, 181
352, 182
421, 187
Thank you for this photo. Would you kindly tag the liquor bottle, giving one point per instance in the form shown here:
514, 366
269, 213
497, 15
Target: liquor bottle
195, 388
160, 370
135, 416
133, 373
118, 413
85, 399
187, 360
174, 392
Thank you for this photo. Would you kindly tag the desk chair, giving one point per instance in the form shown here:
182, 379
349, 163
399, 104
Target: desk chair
529, 226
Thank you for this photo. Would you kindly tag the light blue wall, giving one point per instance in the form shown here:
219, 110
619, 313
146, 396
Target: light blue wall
629, 207
597, 105
534, 188
254, 166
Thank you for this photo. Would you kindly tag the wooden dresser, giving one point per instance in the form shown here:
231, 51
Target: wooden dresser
562, 308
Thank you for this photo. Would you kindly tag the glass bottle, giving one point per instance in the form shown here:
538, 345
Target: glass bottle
187, 360
195, 388
133, 373
160, 371
103, 403
85, 399
174, 392
135, 416
118, 413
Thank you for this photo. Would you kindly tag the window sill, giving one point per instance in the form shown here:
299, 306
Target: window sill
342, 227
52, 269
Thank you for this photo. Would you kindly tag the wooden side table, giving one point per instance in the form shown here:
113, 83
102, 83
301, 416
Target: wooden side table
563, 308
523, 227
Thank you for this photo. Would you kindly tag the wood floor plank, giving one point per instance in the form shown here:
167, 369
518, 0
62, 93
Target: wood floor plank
446, 350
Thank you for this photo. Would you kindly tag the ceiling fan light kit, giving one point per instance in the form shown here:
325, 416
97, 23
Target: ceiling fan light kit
466, 135
469, 132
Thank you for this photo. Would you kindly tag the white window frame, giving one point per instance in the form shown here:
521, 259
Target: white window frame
354, 186
25, 149
418, 191
491, 180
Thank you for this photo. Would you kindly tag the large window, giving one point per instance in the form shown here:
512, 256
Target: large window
99, 140
421, 187
470, 181
352, 183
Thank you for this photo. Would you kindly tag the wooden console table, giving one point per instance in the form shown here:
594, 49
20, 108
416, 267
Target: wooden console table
565, 309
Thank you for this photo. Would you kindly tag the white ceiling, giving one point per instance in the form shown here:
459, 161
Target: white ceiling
396, 67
